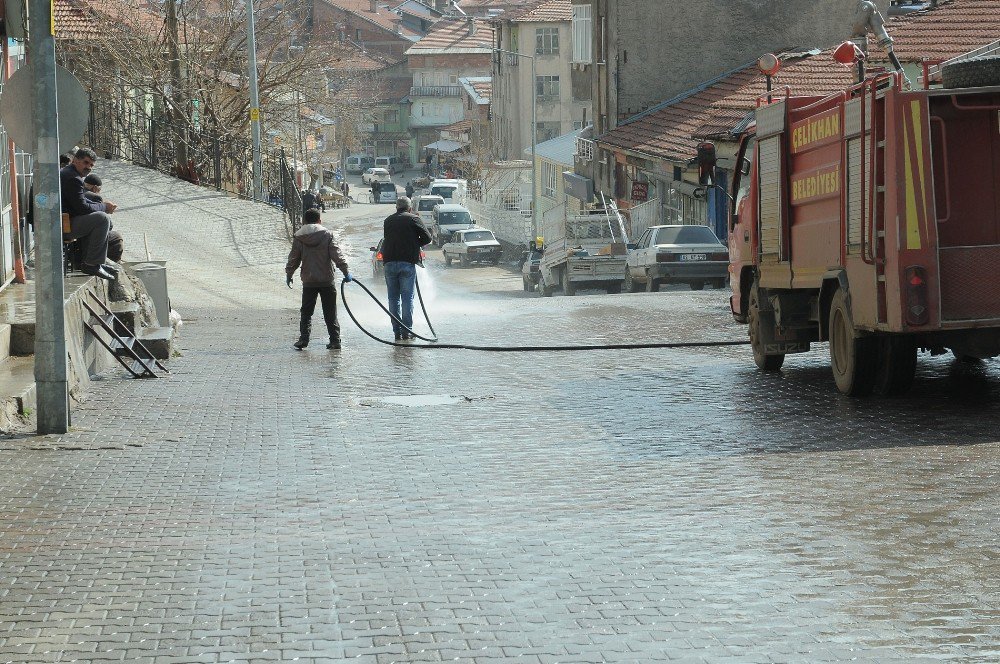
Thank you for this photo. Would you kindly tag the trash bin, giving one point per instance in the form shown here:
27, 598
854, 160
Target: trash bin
153, 275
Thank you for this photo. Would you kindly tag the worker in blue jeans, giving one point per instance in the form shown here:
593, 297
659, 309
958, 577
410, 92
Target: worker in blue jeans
403, 236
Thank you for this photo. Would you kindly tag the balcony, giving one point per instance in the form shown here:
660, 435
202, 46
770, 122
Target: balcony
584, 149
436, 91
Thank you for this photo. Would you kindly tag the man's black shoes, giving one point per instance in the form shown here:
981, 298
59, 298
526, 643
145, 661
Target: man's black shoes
334, 344
301, 343
98, 271
111, 269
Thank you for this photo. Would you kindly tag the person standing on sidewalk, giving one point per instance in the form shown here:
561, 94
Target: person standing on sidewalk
403, 236
315, 250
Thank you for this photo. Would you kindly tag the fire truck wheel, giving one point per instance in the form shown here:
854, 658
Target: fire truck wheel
852, 357
979, 72
760, 358
897, 363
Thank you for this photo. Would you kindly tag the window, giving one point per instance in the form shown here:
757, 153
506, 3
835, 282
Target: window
547, 41
547, 130
582, 35
391, 117
548, 180
547, 87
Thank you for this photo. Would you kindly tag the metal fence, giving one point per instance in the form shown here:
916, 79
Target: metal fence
125, 131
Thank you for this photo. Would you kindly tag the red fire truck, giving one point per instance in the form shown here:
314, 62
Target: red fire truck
871, 219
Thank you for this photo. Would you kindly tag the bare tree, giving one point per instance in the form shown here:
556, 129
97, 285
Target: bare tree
188, 66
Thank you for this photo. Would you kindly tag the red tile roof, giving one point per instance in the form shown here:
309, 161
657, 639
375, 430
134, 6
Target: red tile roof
452, 36
87, 19
673, 129
458, 127
483, 88
953, 28
543, 11
383, 18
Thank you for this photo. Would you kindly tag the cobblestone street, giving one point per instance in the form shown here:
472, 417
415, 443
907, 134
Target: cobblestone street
398, 505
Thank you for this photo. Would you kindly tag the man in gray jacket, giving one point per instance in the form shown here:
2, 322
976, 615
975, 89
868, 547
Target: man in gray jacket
316, 252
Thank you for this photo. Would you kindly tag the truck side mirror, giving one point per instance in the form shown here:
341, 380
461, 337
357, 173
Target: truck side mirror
631, 246
744, 166
707, 160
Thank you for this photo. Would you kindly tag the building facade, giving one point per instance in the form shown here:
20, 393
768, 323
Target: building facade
454, 49
544, 33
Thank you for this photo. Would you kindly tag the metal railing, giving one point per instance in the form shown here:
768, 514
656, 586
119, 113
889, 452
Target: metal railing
224, 163
585, 149
436, 91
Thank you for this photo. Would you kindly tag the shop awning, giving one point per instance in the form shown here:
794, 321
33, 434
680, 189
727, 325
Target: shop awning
444, 145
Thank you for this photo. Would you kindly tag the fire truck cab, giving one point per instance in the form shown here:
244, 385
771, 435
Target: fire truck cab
871, 219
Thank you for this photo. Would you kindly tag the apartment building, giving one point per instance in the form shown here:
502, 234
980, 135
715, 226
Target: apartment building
541, 32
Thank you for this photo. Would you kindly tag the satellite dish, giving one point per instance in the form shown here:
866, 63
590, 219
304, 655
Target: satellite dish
17, 108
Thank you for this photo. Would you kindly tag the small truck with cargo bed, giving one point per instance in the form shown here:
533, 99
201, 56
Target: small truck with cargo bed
583, 250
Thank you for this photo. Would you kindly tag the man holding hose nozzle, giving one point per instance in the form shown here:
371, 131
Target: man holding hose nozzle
403, 236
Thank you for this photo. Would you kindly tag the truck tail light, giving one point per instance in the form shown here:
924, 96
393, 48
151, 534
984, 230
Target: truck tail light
666, 258
378, 256
917, 311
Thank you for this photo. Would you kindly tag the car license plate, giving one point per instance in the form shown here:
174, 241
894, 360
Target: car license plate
693, 257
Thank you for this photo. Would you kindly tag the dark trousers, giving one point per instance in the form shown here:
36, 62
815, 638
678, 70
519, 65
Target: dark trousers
328, 296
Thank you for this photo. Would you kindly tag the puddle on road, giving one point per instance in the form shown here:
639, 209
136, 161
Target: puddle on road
416, 400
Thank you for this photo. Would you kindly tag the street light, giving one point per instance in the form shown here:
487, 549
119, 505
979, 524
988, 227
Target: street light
534, 138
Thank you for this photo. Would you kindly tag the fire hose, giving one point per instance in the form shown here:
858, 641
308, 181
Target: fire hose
432, 341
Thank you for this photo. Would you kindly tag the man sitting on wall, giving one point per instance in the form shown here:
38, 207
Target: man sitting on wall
90, 220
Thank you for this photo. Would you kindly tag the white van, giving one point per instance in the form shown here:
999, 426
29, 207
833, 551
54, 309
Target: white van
359, 163
392, 164
424, 206
453, 191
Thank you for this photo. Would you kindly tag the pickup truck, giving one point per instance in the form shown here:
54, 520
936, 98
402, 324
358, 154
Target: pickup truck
583, 251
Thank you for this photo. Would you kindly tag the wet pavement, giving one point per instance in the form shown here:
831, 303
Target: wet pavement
380, 504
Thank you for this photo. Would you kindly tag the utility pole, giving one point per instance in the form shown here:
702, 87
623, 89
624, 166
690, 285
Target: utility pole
50, 324
258, 186
177, 102
534, 136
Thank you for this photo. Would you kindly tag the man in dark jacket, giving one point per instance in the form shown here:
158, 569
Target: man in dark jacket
403, 235
89, 220
316, 252
308, 200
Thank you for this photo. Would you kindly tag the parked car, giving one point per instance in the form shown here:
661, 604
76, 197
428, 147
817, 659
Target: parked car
472, 246
392, 164
378, 268
531, 271
454, 191
424, 206
676, 254
374, 173
357, 163
448, 218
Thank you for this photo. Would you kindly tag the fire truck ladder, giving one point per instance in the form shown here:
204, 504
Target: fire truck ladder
873, 224
127, 349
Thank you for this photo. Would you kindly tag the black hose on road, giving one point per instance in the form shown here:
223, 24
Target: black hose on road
433, 340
